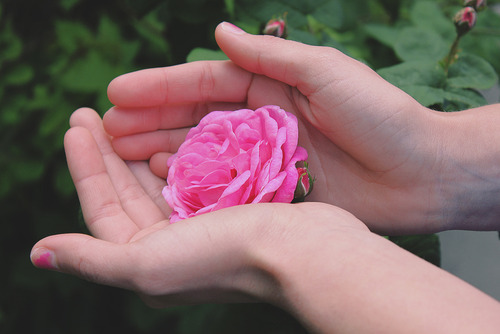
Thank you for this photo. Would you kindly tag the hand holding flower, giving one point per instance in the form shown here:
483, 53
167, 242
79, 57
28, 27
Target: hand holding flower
363, 135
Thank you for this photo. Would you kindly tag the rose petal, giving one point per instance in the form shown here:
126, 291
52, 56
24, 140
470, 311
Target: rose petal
285, 193
266, 194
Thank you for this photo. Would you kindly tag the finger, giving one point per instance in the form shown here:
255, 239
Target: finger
152, 184
284, 60
100, 203
143, 145
158, 164
210, 81
120, 121
135, 203
92, 259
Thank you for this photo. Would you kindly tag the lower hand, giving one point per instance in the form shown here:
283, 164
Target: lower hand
216, 257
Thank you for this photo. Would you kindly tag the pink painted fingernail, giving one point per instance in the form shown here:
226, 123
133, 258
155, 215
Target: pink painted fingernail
229, 27
44, 259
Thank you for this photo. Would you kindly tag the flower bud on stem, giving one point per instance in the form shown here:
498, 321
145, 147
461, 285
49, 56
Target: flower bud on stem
464, 20
304, 184
276, 27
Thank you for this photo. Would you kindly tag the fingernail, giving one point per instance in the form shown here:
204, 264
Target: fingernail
229, 27
44, 259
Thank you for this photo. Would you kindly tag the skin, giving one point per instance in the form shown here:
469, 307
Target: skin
318, 261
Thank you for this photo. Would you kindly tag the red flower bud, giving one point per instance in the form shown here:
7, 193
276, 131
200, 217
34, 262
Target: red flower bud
465, 20
478, 5
304, 183
276, 27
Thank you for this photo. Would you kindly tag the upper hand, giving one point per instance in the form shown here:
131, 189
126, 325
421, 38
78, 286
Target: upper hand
367, 140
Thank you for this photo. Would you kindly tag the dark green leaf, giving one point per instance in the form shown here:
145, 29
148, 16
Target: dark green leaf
428, 15
63, 182
329, 13
384, 34
471, 71
27, 170
10, 44
205, 54
229, 7
68, 4
72, 35
19, 75
467, 97
425, 95
89, 74
417, 72
420, 43
302, 36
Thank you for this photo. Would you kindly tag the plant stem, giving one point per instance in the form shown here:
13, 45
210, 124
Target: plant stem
450, 59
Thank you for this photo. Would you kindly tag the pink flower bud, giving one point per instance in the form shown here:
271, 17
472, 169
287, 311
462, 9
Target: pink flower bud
465, 20
304, 183
276, 27
478, 5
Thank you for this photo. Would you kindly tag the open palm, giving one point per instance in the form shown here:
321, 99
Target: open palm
133, 245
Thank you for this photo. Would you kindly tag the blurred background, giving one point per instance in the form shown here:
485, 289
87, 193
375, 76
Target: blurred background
59, 55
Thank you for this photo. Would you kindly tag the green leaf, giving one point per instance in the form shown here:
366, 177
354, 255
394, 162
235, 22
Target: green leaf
205, 54
151, 29
419, 43
425, 95
417, 72
68, 4
19, 75
471, 71
12, 107
464, 98
428, 14
63, 182
229, 7
89, 74
10, 44
72, 35
27, 170
330, 14
420, 79
112, 46
302, 36
384, 34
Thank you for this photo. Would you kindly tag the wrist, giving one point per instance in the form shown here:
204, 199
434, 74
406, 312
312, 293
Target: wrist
300, 250
470, 179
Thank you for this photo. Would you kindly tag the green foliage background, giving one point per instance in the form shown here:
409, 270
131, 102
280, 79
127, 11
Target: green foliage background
56, 56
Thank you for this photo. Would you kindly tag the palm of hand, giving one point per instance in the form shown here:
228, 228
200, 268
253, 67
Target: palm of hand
134, 246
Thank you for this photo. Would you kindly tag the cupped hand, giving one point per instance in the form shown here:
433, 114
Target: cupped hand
316, 261
216, 257
368, 142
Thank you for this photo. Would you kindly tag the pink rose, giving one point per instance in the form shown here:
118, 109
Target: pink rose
233, 158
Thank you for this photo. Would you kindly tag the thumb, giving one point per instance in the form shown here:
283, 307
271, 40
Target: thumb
296, 64
283, 60
81, 255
